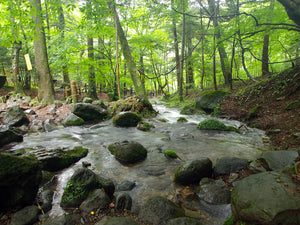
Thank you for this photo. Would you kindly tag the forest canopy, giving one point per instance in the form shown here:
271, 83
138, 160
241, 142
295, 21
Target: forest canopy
146, 46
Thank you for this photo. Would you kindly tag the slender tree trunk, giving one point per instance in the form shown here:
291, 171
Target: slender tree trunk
222, 53
189, 65
92, 90
45, 82
117, 61
18, 87
202, 51
182, 54
214, 64
265, 52
137, 82
47, 20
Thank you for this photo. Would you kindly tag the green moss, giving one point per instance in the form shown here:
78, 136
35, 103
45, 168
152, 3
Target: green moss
211, 124
171, 154
231, 128
143, 126
74, 190
78, 122
230, 221
182, 119
127, 119
162, 120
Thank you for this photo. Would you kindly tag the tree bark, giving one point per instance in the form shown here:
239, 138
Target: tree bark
182, 53
293, 9
45, 82
222, 53
137, 82
18, 87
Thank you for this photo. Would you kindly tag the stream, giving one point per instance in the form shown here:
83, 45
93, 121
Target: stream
153, 176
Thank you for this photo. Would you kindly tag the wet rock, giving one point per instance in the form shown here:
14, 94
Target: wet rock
15, 117
126, 186
123, 201
57, 159
107, 184
255, 167
9, 135
184, 221
26, 216
81, 184
45, 200
209, 100
215, 193
143, 126
159, 210
87, 100
69, 219
89, 112
49, 126
120, 221
98, 199
52, 109
30, 112
211, 124
128, 151
100, 104
266, 197
73, 120
19, 180
126, 119
226, 165
279, 159
192, 171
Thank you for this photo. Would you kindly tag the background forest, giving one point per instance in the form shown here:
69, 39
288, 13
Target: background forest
175, 45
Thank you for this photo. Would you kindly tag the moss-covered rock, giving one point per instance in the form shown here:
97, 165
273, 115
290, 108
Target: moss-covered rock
182, 120
57, 159
73, 120
188, 110
208, 100
171, 154
9, 135
211, 124
133, 104
128, 151
144, 126
126, 119
15, 117
88, 112
120, 221
19, 180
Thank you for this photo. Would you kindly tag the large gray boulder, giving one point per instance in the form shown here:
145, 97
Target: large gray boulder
126, 119
88, 111
26, 216
192, 171
279, 159
9, 135
226, 165
15, 117
159, 210
209, 100
266, 198
19, 180
73, 120
184, 221
128, 151
98, 199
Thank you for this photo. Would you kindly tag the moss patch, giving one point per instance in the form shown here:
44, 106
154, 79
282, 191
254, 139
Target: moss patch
182, 120
214, 124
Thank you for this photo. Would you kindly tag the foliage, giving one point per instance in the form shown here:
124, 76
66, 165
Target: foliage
182, 119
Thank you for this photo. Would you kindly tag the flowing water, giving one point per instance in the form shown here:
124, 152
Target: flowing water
153, 176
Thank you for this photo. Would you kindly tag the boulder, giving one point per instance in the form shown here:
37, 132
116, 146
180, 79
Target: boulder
276, 160
192, 171
9, 135
19, 180
126, 119
128, 151
159, 211
45, 200
15, 117
123, 201
211, 124
209, 100
58, 158
26, 216
126, 186
88, 112
215, 192
120, 221
226, 165
107, 184
66, 219
266, 198
98, 199
73, 120
184, 221
82, 183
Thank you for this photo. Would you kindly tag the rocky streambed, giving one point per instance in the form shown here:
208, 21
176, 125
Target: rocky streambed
227, 155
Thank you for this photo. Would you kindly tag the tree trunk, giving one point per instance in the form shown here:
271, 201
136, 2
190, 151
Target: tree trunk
182, 53
293, 9
137, 82
117, 60
47, 20
222, 53
190, 69
91, 92
45, 82
18, 87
